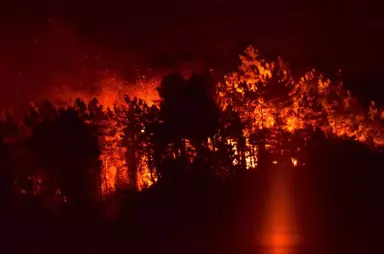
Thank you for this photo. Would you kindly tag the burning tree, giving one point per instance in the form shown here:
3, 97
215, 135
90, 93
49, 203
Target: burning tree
260, 114
263, 91
138, 153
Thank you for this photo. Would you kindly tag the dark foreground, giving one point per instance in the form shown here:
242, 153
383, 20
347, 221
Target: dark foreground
211, 217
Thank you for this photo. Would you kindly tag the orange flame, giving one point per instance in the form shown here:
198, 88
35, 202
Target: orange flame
264, 95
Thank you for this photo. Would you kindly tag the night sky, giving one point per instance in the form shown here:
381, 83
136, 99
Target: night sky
48, 43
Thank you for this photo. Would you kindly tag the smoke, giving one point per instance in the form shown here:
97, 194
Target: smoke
33, 58
50, 60
109, 89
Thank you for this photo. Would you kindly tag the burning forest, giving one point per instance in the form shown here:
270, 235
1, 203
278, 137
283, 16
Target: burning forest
260, 102
166, 129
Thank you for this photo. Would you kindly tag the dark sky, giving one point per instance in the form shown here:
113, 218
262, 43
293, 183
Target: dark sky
47, 43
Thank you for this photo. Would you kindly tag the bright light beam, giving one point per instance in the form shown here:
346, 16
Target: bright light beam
280, 234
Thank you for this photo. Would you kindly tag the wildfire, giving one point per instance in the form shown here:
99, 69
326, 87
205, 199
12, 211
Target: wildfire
114, 91
263, 94
110, 91
266, 96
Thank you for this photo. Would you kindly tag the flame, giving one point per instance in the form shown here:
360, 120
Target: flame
311, 100
145, 178
261, 92
145, 90
110, 93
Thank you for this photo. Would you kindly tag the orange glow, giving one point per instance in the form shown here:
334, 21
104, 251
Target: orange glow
263, 94
308, 103
111, 92
144, 176
294, 161
280, 234
234, 149
311, 100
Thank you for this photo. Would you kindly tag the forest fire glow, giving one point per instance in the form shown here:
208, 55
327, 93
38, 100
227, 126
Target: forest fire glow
312, 101
261, 96
115, 169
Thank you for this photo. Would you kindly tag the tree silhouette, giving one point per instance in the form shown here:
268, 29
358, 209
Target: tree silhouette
68, 150
133, 128
185, 105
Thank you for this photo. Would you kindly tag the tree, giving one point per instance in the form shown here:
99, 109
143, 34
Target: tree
188, 112
68, 151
